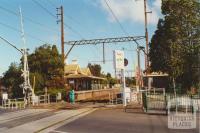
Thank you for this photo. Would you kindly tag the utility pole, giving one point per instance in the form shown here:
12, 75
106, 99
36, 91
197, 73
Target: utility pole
138, 69
104, 53
61, 20
146, 35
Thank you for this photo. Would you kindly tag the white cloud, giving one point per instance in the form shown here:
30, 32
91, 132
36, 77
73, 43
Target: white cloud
131, 10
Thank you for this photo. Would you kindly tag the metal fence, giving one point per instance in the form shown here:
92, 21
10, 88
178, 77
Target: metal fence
17, 103
159, 103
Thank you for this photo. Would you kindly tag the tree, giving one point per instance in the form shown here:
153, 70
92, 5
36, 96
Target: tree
12, 80
111, 81
173, 47
159, 49
46, 65
95, 69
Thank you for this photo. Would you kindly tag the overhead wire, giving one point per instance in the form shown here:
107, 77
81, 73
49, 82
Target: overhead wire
41, 6
29, 19
54, 16
19, 31
70, 18
115, 17
117, 20
51, 3
5, 40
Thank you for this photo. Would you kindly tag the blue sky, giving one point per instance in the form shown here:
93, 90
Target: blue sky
89, 18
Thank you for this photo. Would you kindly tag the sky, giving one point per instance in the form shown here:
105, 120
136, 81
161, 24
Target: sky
87, 19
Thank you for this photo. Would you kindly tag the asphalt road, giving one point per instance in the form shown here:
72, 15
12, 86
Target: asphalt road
117, 121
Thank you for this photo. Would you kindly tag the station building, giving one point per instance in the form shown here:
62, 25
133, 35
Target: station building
81, 79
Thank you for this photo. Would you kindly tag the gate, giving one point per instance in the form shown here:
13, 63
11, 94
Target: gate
154, 103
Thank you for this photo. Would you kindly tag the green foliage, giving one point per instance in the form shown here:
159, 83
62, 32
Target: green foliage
95, 69
12, 80
55, 91
110, 80
130, 82
46, 65
160, 52
175, 46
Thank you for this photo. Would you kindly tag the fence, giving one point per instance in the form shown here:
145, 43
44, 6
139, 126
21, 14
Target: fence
103, 94
17, 103
159, 103
44, 99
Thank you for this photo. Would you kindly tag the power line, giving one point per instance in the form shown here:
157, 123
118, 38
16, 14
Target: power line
30, 20
122, 28
51, 3
10, 44
69, 27
17, 30
73, 30
41, 6
69, 17
54, 16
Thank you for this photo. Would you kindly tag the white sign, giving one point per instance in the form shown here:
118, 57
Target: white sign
5, 96
118, 59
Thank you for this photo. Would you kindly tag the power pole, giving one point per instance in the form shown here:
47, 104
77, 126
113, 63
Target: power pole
146, 35
138, 83
61, 20
104, 53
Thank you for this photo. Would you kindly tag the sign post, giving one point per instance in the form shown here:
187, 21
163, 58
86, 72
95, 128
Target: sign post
119, 65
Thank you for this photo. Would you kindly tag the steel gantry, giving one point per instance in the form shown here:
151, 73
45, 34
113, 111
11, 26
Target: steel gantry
103, 41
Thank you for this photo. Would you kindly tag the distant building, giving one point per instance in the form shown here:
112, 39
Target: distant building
81, 78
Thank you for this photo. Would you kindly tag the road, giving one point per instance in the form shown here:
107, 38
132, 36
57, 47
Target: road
118, 121
84, 120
